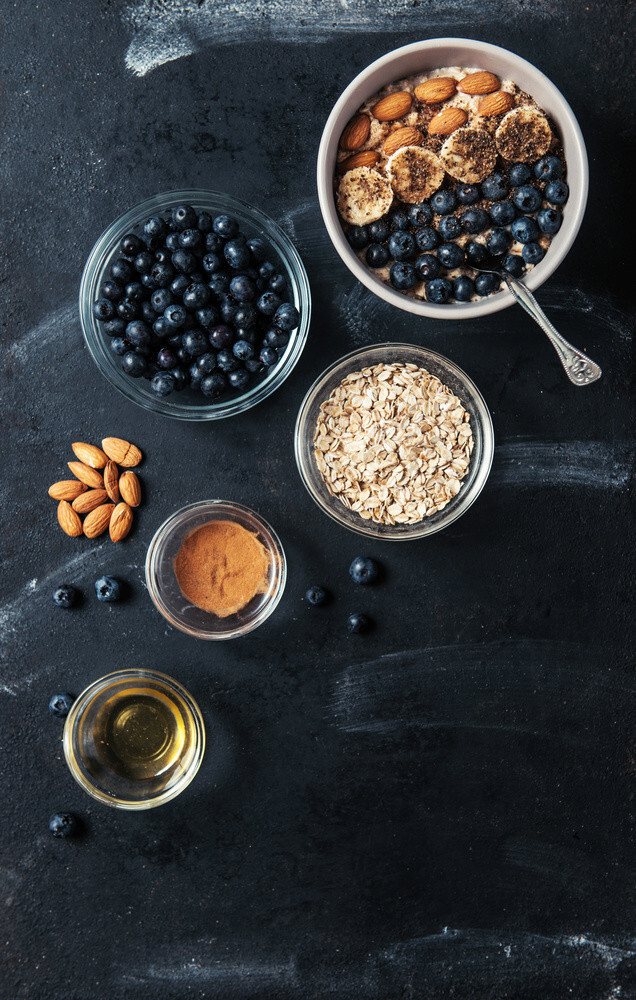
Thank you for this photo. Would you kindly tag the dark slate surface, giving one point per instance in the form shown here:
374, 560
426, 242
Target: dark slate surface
442, 808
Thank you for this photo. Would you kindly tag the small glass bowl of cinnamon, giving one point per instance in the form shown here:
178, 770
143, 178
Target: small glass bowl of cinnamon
215, 569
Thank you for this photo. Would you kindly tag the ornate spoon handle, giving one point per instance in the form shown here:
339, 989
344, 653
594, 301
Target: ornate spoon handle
578, 367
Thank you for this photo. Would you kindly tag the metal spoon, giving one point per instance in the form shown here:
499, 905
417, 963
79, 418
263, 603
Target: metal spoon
580, 369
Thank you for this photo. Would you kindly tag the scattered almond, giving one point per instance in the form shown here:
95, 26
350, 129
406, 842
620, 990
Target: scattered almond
479, 83
89, 501
496, 104
68, 519
130, 489
66, 489
120, 522
438, 88
122, 452
405, 136
89, 454
356, 133
393, 106
365, 158
90, 477
446, 121
98, 520
111, 481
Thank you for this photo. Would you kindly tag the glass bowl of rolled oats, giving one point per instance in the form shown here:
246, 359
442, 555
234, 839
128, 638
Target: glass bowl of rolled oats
394, 441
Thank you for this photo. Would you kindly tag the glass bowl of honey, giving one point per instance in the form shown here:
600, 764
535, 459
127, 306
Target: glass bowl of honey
134, 739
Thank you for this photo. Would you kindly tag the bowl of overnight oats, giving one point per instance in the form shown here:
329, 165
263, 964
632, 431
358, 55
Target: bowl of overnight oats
446, 165
394, 442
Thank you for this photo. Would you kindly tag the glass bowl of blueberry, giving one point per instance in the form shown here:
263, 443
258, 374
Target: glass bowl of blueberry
195, 305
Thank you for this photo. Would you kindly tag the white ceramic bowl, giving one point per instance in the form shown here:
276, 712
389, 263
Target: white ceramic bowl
417, 58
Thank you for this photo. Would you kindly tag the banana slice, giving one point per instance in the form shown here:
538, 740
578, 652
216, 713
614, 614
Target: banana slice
415, 173
364, 196
469, 155
524, 135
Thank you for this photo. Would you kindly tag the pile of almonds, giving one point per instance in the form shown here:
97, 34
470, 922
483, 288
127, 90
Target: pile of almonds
100, 493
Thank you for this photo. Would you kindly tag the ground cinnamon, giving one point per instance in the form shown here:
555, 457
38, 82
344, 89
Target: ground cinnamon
221, 566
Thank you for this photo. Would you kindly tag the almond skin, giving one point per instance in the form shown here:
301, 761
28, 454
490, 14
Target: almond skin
130, 488
496, 104
356, 133
405, 136
120, 522
90, 477
69, 521
447, 121
88, 501
439, 88
89, 454
122, 452
98, 520
111, 481
365, 158
393, 106
479, 83
66, 489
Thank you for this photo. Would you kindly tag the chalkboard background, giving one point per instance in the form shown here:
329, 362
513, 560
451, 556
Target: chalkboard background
441, 808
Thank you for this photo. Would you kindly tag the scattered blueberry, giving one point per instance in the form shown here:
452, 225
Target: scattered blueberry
112, 290
122, 270
519, 173
402, 246
427, 266
467, 194
439, 290
377, 255
498, 242
63, 825
133, 364
403, 276
420, 215
162, 384
103, 310
450, 255
476, 253
443, 202
60, 704
243, 350
65, 596
549, 168
214, 385
399, 220
525, 230
450, 227
474, 220
184, 217
287, 316
513, 265
107, 589
503, 213
556, 192
268, 356
463, 288
358, 623
379, 231
532, 253
527, 198
549, 220
426, 238
486, 284
358, 237
317, 596
240, 378
495, 187
363, 569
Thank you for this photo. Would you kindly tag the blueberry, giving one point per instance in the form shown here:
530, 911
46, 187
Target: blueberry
268, 356
212, 263
166, 358
399, 221
115, 327
213, 243
426, 238
379, 231
162, 384
112, 290
238, 379
172, 242
162, 255
450, 255
103, 310
266, 270
245, 316
527, 198
549, 168
237, 254
450, 227
419, 215
286, 317
402, 246
184, 217
503, 213
498, 242
180, 378
213, 386
439, 290
122, 270
206, 363
224, 226
467, 194
403, 276
196, 296
135, 291
138, 333
162, 273
254, 366
133, 364
277, 283
144, 262
108, 589
184, 261
358, 623
219, 284
175, 316
65, 596
358, 237
474, 220
160, 328
476, 253
195, 375
63, 825
154, 228
316, 596
363, 569
195, 342
549, 220
377, 255
495, 187
519, 173
525, 230
147, 282
242, 288
427, 266
243, 350
463, 289
532, 253
220, 336
160, 299
226, 361
443, 202
275, 338
258, 247
487, 283
513, 264
61, 704
119, 346
148, 314
190, 239
556, 192
131, 245
204, 222
179, 285
183, 355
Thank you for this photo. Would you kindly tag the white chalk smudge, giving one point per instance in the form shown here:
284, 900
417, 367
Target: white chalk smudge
526, 462
228, 973
61, 325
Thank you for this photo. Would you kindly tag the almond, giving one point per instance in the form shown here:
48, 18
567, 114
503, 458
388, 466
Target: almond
68, 519
122, 452
120, 522
111, 481
130, 489
89, 454
496, 104
446, 121
393, 106
479, 83
66, 489
89, 501
405, 136
90, 477
366, 158
439, 88
356, 133
98, 520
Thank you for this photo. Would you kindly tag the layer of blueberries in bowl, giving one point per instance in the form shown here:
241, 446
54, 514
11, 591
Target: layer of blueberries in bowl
195, 304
